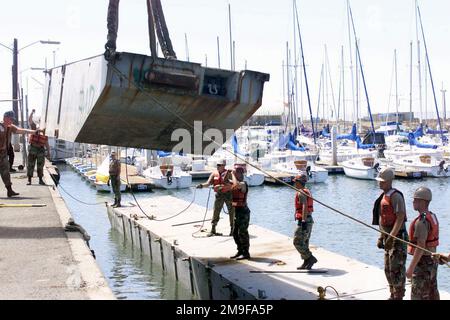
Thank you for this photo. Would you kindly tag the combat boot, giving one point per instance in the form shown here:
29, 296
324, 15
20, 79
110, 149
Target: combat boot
244, 256
117, 205
236, 255
213, 231
310, 262
29, 181
115, 202
41, 182
11, 193
303, 266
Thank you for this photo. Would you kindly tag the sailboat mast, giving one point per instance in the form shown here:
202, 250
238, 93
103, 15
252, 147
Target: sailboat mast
284, 88
362, 74
410, 82
343, 84
358, 117
319, 100
231, 37
396, 86
306, 78
351, 64
295, 67
331, 85
288, 82
431, 76
419, 66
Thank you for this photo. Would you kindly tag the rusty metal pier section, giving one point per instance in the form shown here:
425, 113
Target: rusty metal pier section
138, 100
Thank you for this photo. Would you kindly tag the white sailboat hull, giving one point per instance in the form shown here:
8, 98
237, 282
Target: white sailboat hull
359, 172
182, 182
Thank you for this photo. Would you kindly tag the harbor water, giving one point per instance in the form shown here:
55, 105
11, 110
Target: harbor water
133, 276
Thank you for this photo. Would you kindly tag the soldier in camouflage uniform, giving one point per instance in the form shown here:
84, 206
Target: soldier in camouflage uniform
36, 154
424, 232
221, 179
390, 214
114, 178
6, 129
242, 215
303, 210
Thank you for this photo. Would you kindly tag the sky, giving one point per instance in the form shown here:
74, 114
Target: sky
260, 29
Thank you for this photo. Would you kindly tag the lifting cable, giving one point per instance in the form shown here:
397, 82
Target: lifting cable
78, 200
156, 101
204, 216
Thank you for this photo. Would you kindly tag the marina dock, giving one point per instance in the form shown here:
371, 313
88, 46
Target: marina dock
181, 247
38, 259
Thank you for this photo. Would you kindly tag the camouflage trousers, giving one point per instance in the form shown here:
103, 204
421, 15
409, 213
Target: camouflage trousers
4, 168
222, 198
115, 185
395, 269
36, 155
240, 231
424, 280
301, 238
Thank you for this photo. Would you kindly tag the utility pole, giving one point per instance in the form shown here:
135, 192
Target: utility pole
187, 47
218, 51
231, 37
15, 81
15, 89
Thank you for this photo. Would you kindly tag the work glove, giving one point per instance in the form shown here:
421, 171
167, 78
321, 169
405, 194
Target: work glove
380, 243
108, 183
199, 186
389, 243
440, 258
304, 226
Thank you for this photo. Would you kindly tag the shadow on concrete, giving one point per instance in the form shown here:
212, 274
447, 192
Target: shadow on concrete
31, 233
18, 198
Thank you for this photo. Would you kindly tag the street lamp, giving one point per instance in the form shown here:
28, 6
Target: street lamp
15, 52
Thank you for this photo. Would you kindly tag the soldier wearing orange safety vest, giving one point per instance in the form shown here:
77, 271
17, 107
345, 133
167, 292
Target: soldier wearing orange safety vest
390, 214
242, 215
6, 129
303, 215
423, 232
36, 155
221, 180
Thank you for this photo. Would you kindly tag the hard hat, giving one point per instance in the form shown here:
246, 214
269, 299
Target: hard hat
386, 174
423, 193
221, 162
240, 170
10, 114
303, 178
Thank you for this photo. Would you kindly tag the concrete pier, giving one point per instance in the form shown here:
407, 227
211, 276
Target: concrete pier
38, 259
202, 263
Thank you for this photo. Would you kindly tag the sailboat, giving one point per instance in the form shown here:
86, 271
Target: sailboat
102, 177
361, 168
168, 173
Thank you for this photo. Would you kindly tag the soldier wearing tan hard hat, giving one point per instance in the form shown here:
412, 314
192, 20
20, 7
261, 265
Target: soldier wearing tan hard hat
424, 233
389, 213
